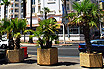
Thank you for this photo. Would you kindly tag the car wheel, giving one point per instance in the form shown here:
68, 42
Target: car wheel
4, 46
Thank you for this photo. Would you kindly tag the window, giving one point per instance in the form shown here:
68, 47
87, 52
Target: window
12, 10
16, 5
11, 16
33, 2
16, 10
22, 10
77, 0
38, 1
16, 16
16, 0
12, 5
67, 7
51, 2
21, 4
38, 8
33, 10
21, 16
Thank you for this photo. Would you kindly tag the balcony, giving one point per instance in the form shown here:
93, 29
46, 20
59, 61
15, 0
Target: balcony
16, 1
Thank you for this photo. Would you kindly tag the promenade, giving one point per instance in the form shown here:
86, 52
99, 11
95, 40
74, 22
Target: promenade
31, 63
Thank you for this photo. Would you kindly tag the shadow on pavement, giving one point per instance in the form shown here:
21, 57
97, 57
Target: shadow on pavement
93, 67
3, 62
62, 64
29, 61
65, 63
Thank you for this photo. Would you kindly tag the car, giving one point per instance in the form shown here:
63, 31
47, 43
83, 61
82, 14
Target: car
4, 43
97, 46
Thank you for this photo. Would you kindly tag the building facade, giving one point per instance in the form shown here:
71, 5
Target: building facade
14, 9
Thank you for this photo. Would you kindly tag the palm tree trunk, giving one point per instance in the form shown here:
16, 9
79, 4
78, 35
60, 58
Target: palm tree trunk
86, 32
0, 36
24, 12
24, 8
11, 42
45, 15
30, 39
4, 11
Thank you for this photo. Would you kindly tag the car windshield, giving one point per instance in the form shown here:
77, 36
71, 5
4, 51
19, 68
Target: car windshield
98, 42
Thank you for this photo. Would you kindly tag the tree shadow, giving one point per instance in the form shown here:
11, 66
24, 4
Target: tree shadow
65, 63
93, 67
29, 61
3, 62
62, 64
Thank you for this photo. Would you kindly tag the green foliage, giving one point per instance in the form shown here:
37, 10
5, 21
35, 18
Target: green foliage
18, 24
18, 35
87, 16
45, 33
13, 28
5, 2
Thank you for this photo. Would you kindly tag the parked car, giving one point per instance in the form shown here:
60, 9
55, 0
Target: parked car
4, 43
97, 46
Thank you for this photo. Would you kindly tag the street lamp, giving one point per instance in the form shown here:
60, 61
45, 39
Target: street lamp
63, 20
100, 23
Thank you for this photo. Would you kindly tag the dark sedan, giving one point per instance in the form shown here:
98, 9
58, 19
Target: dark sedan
97, 46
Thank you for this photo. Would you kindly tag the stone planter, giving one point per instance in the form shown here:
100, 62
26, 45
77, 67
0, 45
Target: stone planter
91, 60
47, 56
15, 55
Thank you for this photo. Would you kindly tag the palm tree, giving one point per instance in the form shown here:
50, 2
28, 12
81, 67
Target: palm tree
46, 30
8, 29
18, 25
24, 8
5, 3
45, 10
86, 16
1, 30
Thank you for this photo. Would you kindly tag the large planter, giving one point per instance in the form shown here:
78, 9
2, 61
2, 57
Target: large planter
91, 60
47, 56
16, 55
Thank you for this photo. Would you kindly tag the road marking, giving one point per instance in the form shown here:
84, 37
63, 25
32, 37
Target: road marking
31, 51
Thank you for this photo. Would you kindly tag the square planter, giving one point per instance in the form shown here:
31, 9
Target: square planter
91, 60
16, 55
47, 56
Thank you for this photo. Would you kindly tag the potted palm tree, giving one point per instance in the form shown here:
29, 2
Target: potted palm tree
46, 54
17, 54
87, 16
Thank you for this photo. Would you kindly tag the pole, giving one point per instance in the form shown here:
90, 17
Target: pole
24, 12
30, 39
64, 21
100, 23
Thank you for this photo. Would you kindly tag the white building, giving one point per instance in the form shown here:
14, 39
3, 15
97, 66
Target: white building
14, 9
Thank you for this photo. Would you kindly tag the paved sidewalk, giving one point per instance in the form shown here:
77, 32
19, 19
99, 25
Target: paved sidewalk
31, 63
60, 44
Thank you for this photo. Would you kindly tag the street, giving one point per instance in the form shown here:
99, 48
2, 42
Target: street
63, 51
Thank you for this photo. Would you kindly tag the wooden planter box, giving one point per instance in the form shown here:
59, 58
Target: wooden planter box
47, 56
15, 55
91, 60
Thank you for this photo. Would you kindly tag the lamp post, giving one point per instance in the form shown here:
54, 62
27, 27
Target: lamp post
63, 20
100, 22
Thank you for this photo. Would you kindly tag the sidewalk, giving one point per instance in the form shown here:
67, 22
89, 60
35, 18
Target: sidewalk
60, 43
31, 63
